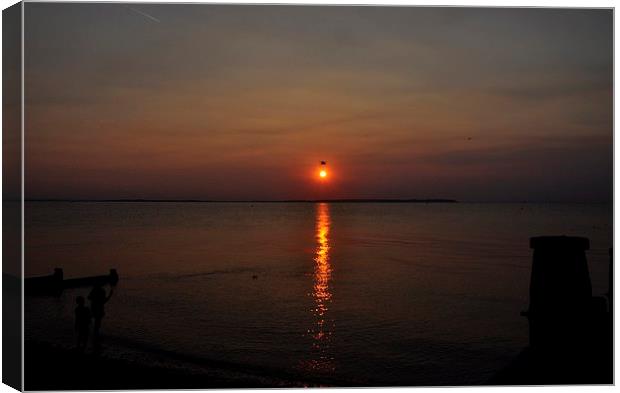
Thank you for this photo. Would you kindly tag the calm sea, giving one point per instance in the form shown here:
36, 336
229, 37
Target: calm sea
346, 293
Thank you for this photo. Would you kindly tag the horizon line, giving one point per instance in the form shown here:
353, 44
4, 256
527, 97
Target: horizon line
336, 200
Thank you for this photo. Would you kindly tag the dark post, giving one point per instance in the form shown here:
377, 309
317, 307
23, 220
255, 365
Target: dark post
610, 292
113, 277
57, 285
560, 291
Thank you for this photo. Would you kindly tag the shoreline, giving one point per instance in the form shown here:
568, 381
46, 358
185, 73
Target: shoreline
49, 367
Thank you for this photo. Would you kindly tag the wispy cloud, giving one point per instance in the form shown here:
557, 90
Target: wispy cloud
151, 17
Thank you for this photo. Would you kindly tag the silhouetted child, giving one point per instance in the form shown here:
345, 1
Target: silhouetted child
82, 323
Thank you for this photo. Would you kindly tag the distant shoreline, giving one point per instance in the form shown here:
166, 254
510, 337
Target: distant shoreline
253, 201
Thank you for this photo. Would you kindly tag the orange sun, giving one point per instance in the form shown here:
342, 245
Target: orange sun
323, 173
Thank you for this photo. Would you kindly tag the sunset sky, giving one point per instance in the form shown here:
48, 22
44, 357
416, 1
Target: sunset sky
243, 102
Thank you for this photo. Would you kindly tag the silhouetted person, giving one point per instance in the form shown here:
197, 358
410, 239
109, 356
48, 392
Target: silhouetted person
98, 299
82, 323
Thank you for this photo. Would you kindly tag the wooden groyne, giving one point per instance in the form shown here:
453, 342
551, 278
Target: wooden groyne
54, 284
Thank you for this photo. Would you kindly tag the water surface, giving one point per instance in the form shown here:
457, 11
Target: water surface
348, 293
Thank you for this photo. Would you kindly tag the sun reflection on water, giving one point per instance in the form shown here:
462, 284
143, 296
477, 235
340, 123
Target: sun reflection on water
322, 330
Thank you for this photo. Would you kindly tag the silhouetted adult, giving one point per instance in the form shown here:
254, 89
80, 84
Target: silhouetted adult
98, 299
82, 323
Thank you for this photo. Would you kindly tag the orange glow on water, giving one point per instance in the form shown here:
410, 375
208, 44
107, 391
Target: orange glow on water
322, 331
322, 268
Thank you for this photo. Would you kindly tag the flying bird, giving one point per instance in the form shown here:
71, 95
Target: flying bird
323, 172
